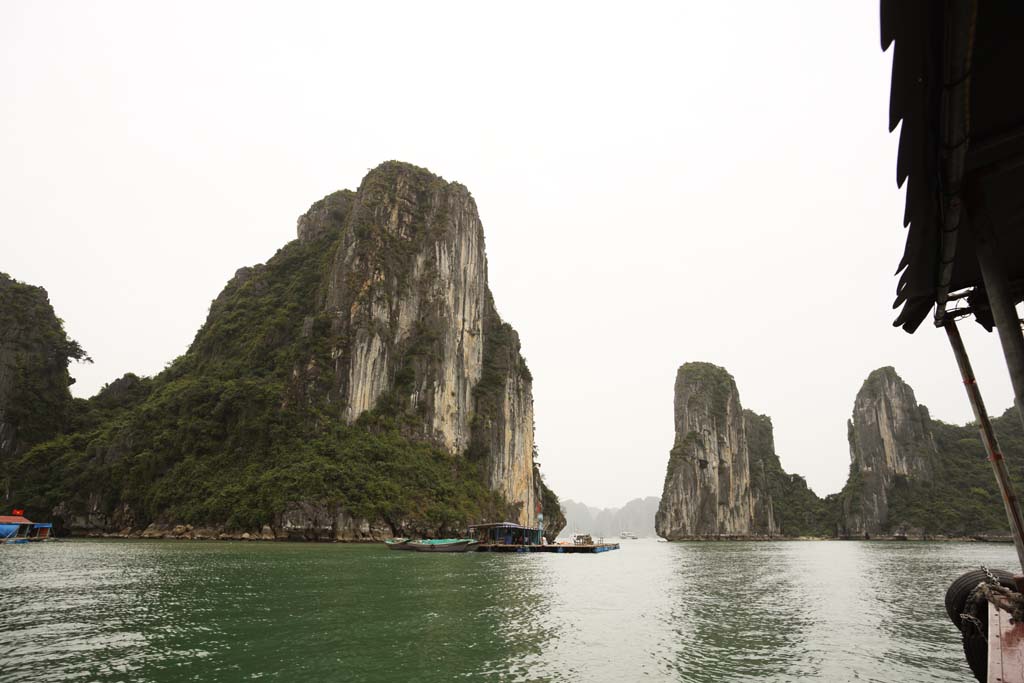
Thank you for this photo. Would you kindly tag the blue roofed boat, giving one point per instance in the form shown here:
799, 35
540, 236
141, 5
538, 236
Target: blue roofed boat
19, 529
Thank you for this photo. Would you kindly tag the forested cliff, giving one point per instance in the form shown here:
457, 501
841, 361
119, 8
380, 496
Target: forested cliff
914, 476
35, 403
724, 479
910, 476
359, 384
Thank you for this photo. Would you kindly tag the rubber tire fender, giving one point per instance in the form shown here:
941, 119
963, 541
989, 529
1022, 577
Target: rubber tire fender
964, 585
975, 640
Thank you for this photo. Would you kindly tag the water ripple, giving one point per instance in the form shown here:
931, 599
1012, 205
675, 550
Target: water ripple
694, 612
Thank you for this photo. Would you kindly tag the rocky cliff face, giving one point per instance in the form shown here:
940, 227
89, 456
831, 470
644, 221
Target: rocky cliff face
763, 460
359, 383
501, 429
724, 477
412, 315
707, 490
783, 503
554, 517
35, 403
407, 293
910, 476
891, 444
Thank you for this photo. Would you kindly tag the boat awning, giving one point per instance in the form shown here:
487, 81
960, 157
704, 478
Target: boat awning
11, 519
955, 73
503, 525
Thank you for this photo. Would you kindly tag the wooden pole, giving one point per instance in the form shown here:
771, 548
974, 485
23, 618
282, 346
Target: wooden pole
1004, 308
988, 438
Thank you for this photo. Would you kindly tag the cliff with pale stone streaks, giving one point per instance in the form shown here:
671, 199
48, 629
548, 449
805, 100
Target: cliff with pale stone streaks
707, 491
410, 277
724, 478
891, 443
412, 315
360, 383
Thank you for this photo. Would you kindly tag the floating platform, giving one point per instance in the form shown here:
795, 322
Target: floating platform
555, 548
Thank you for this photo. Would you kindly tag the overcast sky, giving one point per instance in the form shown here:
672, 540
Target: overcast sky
659, 183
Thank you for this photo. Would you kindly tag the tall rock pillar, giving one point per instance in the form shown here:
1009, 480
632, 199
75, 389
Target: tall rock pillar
890, 438
707, 491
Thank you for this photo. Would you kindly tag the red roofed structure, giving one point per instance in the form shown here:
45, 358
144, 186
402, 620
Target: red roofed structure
19, 529
8, 519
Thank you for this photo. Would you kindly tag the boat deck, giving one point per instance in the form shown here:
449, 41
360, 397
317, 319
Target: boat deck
1005, 648
502, 548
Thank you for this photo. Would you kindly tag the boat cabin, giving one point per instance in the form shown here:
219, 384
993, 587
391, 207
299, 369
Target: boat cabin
506, 533
18, 529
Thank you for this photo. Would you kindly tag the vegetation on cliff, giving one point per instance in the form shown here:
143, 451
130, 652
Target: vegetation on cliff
909, 475
915, 476
961, 499
724, 478
554, 517
714, 382
942, 486
247, 421
35, 403
712, 385
798, 510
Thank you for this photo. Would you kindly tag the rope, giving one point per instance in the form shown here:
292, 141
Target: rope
991, 591
1002, 597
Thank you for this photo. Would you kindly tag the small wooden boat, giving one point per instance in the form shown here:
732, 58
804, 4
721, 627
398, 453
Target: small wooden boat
444, 545
434, 545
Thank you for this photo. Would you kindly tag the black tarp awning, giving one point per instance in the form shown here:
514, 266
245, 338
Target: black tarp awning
958, 88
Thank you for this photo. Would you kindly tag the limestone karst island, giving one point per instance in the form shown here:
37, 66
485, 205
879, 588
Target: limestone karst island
360, 385
597, 372
911, 477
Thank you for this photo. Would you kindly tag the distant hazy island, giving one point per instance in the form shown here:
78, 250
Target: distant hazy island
910, 476
636, 516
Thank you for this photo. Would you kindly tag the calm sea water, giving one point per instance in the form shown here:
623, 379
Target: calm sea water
207, 611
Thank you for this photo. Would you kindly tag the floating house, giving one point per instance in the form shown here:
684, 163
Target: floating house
505, 537
18, 529
506, 533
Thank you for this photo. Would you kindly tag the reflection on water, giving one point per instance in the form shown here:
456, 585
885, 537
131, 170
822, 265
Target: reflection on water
171, 611
736, 611
832, 611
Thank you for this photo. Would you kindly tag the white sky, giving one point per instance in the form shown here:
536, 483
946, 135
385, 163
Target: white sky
659, 183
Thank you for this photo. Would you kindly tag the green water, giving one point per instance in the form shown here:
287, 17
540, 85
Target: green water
206, 611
